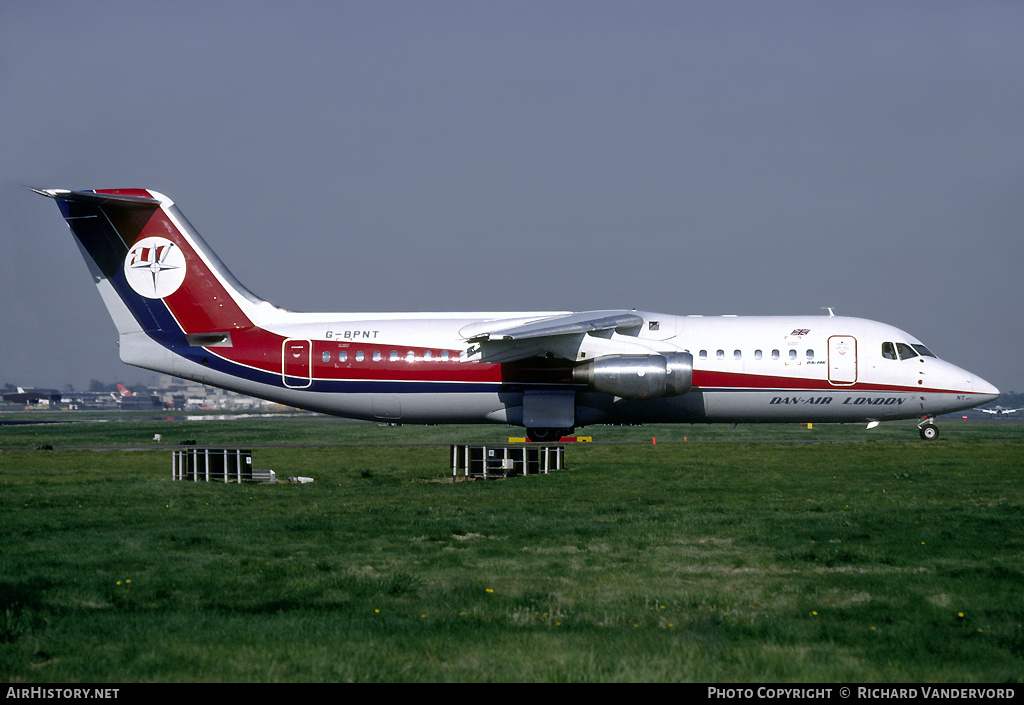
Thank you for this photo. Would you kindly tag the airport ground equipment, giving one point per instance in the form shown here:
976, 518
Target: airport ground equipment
505, 460
216, 465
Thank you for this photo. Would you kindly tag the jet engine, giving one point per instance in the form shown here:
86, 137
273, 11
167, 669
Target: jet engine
638, 376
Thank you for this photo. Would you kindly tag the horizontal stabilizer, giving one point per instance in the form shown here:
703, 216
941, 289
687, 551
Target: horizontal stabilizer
92, 197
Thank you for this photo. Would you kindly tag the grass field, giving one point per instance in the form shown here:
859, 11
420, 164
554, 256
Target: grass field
718, 559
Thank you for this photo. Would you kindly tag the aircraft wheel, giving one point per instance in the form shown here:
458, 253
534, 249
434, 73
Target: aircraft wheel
929, 432
546, 435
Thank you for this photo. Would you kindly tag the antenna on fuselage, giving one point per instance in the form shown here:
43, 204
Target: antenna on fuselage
829, 309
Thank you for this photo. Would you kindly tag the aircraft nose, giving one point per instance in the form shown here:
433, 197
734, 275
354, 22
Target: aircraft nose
987, 392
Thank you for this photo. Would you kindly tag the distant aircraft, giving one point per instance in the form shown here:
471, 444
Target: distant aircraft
1000, 410
179, 311
122, 392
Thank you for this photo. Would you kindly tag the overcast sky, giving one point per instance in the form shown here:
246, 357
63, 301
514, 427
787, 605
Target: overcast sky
679, 157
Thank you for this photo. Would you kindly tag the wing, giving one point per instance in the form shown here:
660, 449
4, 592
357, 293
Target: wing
557, 335
568, 324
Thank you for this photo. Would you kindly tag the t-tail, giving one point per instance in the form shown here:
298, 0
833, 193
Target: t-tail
170, 296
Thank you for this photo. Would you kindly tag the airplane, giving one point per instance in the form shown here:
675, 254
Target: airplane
122, 392
1000, 410
179, 311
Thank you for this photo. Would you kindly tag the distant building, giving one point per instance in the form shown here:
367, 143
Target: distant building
170, 393
43, 397
182, 394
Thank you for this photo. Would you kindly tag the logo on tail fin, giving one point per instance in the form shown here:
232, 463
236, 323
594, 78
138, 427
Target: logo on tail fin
155, 267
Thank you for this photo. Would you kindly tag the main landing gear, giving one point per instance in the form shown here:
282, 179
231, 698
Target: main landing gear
927, 428
547, 435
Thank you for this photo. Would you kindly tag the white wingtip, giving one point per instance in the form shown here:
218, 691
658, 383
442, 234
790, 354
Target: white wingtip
49, 192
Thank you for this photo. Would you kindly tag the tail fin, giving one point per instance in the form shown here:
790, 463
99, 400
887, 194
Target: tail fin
158, 278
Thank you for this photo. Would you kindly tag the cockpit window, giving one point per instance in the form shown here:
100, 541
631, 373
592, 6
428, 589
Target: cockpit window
906, 352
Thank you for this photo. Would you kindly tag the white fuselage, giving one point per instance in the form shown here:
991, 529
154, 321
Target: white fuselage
418, 368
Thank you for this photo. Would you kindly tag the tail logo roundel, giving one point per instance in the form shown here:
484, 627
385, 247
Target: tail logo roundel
154, 267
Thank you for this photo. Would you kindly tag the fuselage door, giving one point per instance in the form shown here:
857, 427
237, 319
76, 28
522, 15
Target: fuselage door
842, 360
296, 363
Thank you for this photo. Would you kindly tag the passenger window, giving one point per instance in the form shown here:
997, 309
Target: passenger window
888, 351
410, 356
326, 357
810, 354
720, 354
703, 354
426, 354
394, 355
444, 356
792, 354
757, 354
376, 355
359, 356
342, 356
737, 355
775, 354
